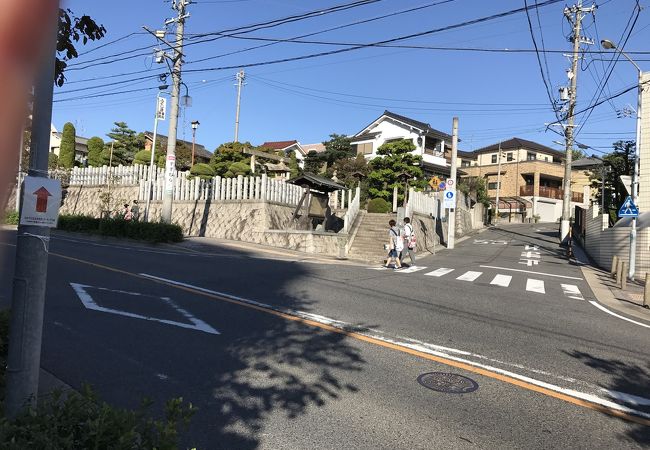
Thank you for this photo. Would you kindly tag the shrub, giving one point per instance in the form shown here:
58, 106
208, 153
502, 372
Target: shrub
142, 157
378, 205
67, 149
145, 231
12, 218
202, 170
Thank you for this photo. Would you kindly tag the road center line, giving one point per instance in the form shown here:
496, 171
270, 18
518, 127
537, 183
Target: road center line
574, 397
532, 271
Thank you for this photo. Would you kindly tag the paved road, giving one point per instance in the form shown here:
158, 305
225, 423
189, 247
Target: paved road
284, 354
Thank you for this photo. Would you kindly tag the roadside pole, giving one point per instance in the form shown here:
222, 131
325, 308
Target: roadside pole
496, 215
451, 225
30, 273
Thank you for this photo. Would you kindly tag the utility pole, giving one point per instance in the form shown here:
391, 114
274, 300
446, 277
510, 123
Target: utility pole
451, 225
177, 58
574, 15
496, 216
241, 76
30, 273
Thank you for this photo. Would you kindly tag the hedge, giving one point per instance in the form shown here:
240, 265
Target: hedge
11, 218
146, 231
379, 205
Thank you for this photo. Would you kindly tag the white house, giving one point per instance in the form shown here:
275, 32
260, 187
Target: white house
288, 147
430, 143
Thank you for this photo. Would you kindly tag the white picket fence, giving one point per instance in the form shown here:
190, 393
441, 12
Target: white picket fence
120, 175
421, 203
353, 209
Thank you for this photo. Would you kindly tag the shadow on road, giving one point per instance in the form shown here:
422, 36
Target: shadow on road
627, 378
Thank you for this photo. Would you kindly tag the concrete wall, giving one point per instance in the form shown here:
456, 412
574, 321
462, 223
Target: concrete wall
602, 243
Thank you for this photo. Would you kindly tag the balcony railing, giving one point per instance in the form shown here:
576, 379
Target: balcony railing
549, 192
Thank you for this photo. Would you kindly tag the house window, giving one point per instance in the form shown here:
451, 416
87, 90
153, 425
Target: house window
531, 156
492, 185
364, 149
510, 156
494, 159
464, 163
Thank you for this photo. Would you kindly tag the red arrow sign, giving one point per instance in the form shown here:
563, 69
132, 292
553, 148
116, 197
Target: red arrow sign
41, 199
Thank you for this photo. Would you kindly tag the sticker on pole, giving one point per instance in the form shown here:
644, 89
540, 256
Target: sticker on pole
41, 201
450, 200
628, 208
170, 170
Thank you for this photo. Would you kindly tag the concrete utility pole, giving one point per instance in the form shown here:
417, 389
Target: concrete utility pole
451, 225
241, 76
30, 273
574, 15
170, 165
496, 216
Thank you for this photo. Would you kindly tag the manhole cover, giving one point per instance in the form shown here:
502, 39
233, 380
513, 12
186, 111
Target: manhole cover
447, 382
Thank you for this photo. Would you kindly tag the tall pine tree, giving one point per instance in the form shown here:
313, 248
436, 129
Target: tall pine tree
95, 147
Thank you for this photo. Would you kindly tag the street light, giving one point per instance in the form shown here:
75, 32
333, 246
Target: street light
609, 45
195, 125
161, 106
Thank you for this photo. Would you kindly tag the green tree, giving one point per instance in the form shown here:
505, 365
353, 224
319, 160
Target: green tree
126, 141
476, 187
385, 172
620, 162
337, 148
66, 153
118, 157
52, 161
95, 148
142, 157
293, 165
227, 155
577, 154
202, 170
313, 162
183, 156
73, 29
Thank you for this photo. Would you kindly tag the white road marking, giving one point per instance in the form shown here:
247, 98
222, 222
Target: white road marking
533, 285
628, 398
439, 272
572, 291
532, 271
377, 268
601, 307
89, 303
532, 247
435, 350
530, 254
529, 262
411, 269
501, 280
469, 276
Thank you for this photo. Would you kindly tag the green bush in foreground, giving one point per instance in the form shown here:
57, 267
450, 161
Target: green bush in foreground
378, 205
12, 218
146, 231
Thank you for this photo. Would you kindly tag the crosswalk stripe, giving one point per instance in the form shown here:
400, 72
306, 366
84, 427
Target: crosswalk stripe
572, 291
412, 269
502, 280
533, 285
439, 272
469, 276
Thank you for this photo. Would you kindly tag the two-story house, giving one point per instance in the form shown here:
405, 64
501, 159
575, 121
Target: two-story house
429, 143
531, 178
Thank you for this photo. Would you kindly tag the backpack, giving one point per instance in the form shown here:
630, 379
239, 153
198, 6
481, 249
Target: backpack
411, 242
398, 241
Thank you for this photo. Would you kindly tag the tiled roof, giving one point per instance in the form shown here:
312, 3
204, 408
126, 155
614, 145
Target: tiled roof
319, 147
199, 149
424, 127
518, 143
279, 145
587, 163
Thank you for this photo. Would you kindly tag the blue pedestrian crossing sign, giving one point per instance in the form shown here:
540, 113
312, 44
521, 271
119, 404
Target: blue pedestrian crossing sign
628, 208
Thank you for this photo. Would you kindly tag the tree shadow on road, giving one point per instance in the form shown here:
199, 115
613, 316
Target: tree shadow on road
626, 378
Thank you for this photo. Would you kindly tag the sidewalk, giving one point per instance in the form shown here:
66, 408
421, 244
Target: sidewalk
627, 302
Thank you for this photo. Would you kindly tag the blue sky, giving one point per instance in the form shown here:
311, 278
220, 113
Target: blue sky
496, 95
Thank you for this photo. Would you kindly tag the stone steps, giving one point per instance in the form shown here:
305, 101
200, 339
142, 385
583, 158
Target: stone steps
369, 242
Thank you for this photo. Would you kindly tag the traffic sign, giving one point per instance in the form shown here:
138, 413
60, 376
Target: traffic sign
434, 182
628, 208
450, 183
41, 201
442, 185
450, 199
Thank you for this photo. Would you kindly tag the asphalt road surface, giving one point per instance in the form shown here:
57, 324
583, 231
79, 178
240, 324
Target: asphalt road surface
285, 354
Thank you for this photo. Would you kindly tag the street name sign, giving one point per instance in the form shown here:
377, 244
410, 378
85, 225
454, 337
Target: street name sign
41, 201
628, 208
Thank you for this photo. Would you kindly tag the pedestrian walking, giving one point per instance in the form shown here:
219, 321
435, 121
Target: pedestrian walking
126, 213
409, 242
135, 210
395, 245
